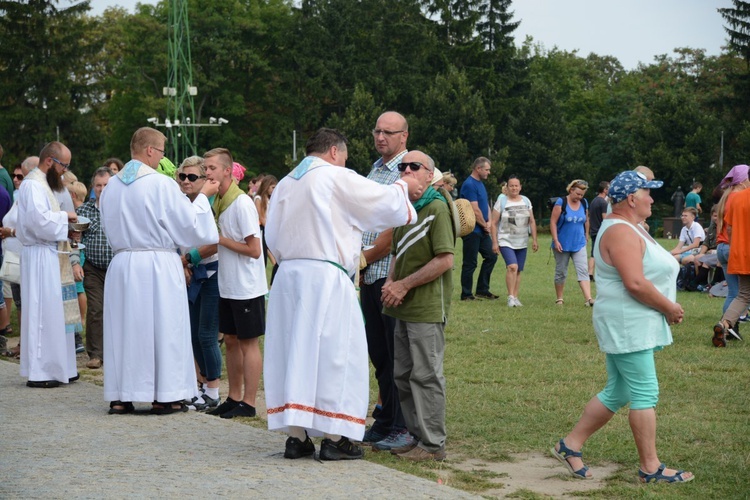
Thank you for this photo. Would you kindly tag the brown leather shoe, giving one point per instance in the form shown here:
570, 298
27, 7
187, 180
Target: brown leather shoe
94, 363
404, 449
421, 455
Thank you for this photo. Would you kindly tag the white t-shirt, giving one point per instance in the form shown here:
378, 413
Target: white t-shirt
240, 277
688, 236
513, 227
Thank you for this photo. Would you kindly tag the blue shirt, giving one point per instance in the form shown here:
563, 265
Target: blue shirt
572, 234
474, 190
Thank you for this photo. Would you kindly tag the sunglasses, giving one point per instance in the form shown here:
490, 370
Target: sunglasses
190, 177
411, 165
581, 184
18, 177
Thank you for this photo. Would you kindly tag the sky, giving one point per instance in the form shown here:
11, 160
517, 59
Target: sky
631, 30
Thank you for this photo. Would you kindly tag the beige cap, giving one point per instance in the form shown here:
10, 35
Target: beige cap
436, 175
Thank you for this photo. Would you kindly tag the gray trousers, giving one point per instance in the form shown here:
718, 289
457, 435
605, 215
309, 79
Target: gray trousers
93, 284
418, 371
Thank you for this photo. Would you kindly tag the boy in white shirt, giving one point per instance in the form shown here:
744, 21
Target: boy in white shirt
242, 286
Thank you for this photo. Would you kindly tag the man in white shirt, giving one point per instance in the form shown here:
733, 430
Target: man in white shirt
242, 286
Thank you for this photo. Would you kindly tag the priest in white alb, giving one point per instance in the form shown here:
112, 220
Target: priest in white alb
316, 373
148, 355
50, 303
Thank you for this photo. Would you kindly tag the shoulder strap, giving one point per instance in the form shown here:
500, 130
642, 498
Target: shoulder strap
561, 220
526, 201
503, 201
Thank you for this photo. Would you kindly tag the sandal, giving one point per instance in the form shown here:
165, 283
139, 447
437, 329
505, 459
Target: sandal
168, 408
563, 456
559, 302
720, 335
589, 303
123, 409
659, 477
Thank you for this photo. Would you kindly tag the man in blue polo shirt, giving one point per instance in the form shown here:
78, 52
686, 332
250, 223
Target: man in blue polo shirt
479, 240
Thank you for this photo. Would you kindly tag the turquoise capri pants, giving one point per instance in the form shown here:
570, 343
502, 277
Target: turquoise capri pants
631, 378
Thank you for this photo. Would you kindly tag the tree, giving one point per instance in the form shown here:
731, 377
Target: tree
46, 90
738, 19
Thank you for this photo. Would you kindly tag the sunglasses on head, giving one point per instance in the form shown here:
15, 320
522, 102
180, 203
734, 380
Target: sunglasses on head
190, 177
412, 165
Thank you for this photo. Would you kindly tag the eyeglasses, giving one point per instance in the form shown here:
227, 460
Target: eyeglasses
190, 177
66, 166
18, 177
376, 132
412, 165
159, 150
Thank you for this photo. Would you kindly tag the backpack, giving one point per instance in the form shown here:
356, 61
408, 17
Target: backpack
551, 205
686, 278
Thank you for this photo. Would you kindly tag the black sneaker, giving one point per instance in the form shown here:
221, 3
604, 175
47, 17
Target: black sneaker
298, 449
343, 449
488, 295
228, 404
241, 410
373, 436
468, 297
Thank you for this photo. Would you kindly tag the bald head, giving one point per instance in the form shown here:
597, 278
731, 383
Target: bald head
390, 133
641, 169
29, 164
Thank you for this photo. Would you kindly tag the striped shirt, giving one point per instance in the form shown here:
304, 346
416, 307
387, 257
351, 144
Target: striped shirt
382, 174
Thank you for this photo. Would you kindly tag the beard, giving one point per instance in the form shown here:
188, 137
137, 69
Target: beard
54, 180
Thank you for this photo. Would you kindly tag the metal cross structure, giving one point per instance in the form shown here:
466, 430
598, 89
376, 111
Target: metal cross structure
180, 91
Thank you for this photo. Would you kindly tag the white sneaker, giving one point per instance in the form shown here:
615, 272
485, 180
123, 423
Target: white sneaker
517, 302
511, 301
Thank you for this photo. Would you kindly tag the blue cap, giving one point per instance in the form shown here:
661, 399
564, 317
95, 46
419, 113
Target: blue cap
629, 182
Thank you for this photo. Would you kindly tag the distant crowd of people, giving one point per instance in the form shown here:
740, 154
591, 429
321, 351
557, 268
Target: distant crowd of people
163, 269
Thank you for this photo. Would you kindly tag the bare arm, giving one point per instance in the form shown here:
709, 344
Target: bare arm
624, 250
480, 218
556, 212
250, 247
395, 291
532, 225
381, 247
494, 221
204, 251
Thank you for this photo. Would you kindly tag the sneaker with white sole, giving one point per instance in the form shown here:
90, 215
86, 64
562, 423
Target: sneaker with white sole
517, 302
511, 301
205, 402
396, 439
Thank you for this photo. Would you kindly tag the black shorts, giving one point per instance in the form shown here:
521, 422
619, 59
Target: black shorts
244, 318
593, 240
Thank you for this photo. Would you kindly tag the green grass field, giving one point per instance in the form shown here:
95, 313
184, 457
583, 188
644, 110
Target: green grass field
519, 378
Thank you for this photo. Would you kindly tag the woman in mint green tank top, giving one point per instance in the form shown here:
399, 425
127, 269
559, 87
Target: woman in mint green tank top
635, 305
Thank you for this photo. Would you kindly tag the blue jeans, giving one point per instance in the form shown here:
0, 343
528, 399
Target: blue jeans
475, 244
204, 329
733, 284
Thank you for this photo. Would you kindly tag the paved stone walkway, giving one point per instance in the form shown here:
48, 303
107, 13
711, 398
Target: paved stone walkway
61, 443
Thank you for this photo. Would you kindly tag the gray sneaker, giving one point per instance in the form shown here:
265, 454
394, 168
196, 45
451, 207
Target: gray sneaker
396, 439
207, 404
